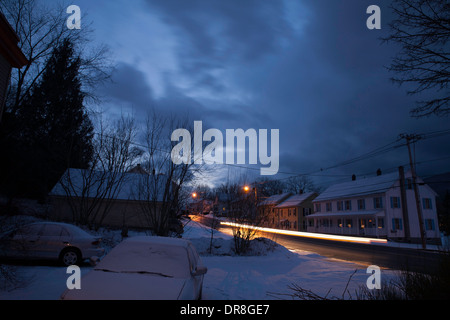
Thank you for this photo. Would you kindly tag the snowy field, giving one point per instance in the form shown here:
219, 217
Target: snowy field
266, 273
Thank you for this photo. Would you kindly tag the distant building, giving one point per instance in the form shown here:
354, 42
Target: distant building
222, 203
200, 206
267, 207
291, 213
10, 57
382, 206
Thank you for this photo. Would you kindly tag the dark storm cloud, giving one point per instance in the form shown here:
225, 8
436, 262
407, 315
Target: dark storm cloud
309, 68
226, 30
332, 93
129, 86
213, 35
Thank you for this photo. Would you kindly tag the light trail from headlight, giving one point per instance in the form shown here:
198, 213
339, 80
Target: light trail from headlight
312, 235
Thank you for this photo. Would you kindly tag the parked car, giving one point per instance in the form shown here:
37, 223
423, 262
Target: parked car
144, 268
50, 240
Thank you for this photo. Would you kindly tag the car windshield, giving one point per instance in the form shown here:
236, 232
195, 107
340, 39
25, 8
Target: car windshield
141, 257
76, 231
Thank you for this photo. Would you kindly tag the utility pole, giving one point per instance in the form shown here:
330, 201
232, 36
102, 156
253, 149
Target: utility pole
404, 203
413, 138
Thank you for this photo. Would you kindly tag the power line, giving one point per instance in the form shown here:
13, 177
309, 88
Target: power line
319, 172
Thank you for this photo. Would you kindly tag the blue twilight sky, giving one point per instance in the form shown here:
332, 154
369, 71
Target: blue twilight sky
309, 68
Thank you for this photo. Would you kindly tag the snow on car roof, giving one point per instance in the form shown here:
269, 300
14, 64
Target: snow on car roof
160, 240
146, 254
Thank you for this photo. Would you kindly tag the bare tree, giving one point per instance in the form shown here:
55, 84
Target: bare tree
422, 29
10, 276
91, 192
299, 184
268, 187
41, 28
160, 190
244, 210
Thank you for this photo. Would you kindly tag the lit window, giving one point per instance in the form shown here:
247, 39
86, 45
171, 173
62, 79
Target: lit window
348, 223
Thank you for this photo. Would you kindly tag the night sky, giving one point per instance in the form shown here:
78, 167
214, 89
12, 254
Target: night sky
309, 68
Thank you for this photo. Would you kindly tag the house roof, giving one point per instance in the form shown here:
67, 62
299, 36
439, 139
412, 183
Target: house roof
8, 45
275, 199
100, 184
294, 200
359, 187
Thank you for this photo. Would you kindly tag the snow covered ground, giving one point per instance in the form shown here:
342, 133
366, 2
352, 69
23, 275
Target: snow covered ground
265, 274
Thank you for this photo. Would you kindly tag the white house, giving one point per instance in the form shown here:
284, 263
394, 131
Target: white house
380, 206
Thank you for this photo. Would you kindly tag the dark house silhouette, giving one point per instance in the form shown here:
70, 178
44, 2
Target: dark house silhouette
10, 57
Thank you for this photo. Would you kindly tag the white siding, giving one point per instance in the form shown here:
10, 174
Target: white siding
392, 215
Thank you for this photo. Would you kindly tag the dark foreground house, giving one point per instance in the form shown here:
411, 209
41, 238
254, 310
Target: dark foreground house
10, 57
96, 198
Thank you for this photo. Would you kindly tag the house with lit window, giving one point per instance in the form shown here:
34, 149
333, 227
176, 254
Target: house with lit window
266, 208
221, 204
383, 206
291, 213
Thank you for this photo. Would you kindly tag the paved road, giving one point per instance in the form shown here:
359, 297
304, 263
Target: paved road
367, 254
382, 256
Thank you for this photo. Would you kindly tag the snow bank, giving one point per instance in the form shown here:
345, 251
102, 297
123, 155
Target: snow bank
212, 242
225, 247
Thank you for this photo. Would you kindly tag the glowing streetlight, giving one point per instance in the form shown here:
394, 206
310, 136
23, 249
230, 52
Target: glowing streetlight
246, 188
194, 195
